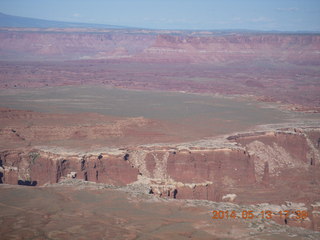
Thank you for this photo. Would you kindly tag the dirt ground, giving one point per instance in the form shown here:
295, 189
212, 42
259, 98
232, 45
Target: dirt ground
86, 212
88, 117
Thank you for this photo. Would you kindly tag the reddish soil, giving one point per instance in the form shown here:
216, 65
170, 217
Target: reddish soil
279, 165
289, 84
66, 212
262, 167
82, 131
272, 67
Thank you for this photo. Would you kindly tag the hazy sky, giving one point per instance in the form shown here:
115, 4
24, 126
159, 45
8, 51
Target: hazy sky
287, 15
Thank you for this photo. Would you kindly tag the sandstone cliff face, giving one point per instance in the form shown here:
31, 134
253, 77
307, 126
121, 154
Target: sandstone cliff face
272, 166
236, 48
279, 150
157, 46
193, 174
43, 167
226, 166
208, 173
64, 45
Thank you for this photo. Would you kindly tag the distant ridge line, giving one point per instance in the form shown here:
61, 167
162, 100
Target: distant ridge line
26, 22
10, 21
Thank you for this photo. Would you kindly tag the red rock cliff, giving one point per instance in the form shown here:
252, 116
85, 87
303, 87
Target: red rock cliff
159, 46
271, 160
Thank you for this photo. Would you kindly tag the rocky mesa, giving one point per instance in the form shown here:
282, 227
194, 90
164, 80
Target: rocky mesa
158, 46
241, 160
246, 168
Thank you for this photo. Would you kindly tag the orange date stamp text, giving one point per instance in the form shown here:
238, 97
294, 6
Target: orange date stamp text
265, 214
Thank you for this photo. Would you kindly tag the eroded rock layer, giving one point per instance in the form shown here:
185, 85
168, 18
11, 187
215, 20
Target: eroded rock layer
173, 46
271, 166
248, 159
272, 67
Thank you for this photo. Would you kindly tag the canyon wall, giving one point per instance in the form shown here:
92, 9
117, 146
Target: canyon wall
66, 46
155, 46
40, 168
181, 172
278, 167
273, 67
236, 48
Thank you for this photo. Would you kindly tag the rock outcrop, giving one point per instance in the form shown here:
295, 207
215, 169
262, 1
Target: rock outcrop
44, 167
159, 46
272, 67
256, 158
271, 166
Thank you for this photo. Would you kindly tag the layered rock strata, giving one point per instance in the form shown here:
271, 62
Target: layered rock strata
271, 166
195, 172
163, 46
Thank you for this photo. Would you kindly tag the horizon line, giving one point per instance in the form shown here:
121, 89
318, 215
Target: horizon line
121, 27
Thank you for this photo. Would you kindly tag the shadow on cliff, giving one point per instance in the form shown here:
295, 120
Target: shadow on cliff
1, 174
27, 183
175, 192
